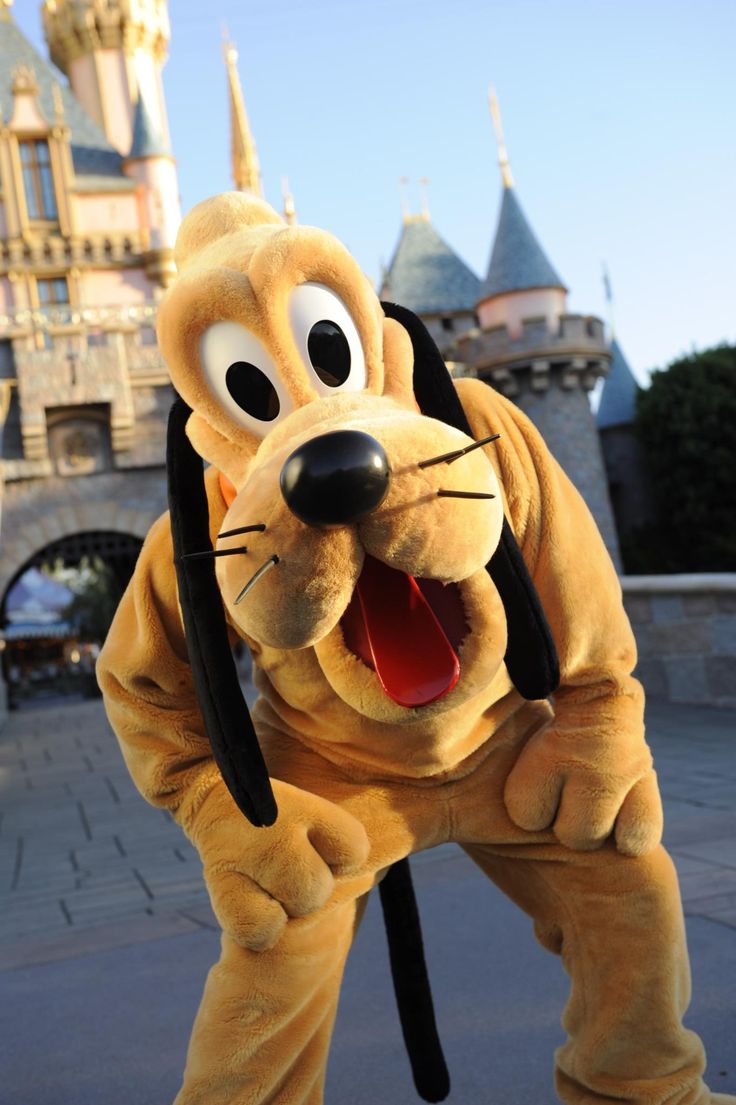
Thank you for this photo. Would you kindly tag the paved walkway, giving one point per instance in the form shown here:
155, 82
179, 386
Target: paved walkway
105, 927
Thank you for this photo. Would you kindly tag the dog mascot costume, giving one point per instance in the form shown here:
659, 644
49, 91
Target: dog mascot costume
395, 550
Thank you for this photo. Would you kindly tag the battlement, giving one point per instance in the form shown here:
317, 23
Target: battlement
76, 27
576, 351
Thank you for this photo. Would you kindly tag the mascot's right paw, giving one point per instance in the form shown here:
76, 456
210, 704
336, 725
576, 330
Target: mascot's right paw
259, 878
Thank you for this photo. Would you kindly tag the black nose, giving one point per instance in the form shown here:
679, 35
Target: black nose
335, 478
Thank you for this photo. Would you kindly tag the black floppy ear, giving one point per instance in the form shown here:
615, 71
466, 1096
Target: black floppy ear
222, 705
531, 656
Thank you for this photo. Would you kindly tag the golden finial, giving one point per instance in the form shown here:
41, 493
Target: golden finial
58, 102
424, 194
289, 206
245, 167
503, 157
24, 80
5, 6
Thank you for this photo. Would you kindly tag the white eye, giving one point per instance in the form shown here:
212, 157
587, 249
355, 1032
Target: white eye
327, 339
242, 377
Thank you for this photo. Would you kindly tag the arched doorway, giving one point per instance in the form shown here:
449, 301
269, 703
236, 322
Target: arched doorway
56, 610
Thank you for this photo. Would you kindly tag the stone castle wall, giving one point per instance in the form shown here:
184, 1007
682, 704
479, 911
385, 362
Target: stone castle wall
685, 628
564, 419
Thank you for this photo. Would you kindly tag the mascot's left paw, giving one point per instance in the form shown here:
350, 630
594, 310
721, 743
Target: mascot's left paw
586, 792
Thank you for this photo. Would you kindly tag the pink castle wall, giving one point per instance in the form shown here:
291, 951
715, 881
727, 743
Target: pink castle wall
83, 80
116, 105
509, 310
114, 287
102, 213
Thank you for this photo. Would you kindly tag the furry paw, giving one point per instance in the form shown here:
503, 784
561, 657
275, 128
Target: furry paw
586, 793
258, 878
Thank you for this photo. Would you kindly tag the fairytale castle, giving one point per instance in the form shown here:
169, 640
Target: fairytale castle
88, 217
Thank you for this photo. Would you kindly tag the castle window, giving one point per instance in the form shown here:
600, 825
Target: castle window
38, 180
53, 291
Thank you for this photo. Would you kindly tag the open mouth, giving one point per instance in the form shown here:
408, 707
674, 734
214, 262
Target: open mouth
407, 630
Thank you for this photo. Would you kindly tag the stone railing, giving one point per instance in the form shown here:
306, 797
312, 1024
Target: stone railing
685, 628
62, 316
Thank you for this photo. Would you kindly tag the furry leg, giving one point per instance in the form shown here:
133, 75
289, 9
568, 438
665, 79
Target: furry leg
264, 1025
617, 923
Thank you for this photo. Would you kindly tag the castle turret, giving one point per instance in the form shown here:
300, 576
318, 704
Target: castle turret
429, 278
532, 350
109, 50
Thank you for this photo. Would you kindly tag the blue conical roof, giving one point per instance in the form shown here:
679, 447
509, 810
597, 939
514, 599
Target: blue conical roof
95, 160
518, 262
426, 276
147, 138
618, 397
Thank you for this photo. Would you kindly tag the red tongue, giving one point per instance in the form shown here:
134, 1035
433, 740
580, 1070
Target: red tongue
411, 653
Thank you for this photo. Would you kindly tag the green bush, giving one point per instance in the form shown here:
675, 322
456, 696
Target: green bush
686, 424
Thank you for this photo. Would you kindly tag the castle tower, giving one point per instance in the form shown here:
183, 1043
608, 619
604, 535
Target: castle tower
429, 278
532, 350
521, 282
246, 169
109, 50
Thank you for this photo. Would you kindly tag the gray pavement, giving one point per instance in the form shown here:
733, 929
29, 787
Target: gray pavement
106, 933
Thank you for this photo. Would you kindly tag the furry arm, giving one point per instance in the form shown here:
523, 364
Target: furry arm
589, 775
257, 877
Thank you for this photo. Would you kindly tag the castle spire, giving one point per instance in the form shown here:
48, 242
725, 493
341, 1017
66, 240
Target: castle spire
246, 169
503, 157
520, 281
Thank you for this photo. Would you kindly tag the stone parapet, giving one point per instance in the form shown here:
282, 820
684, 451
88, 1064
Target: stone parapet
685, 628
576, 353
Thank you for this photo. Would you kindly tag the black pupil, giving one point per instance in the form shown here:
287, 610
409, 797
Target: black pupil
252, 390
329, 353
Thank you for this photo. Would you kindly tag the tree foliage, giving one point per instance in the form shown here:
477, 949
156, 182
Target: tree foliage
96, 596
686, 424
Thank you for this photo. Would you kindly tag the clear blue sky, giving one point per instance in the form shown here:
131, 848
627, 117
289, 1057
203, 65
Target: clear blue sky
620, 120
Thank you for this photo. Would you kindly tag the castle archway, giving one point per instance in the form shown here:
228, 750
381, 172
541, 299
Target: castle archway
56, 609
60, 521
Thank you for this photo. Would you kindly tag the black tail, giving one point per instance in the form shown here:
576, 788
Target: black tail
411, 983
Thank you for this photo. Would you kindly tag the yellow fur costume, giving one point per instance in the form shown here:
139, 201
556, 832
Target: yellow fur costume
557, 804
